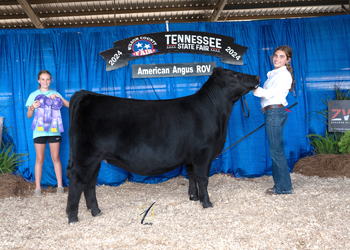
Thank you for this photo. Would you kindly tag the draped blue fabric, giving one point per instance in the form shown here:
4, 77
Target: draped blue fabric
321, 52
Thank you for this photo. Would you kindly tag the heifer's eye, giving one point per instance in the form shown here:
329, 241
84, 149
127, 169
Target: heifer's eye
233, 75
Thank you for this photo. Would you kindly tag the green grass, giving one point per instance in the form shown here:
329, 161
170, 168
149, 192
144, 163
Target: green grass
344, 143
9, 159
327, 144
341, 95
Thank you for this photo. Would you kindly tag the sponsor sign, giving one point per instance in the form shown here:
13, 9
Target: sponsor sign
151, 44
172, 70
338, 116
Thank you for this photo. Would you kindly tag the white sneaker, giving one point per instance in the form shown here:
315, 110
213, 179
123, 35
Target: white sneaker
60, 190
37, 192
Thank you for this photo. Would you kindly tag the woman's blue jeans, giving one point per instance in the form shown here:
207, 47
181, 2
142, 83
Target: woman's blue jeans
275, 119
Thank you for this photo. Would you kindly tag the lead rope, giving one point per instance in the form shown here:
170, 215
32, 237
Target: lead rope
246, 104
250, 133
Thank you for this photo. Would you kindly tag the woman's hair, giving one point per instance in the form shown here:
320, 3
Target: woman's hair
43, 72
286, 49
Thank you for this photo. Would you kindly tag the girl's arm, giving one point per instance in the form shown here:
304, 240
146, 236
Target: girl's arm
30, 112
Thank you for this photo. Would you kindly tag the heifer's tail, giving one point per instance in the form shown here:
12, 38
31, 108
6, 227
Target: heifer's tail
73, 103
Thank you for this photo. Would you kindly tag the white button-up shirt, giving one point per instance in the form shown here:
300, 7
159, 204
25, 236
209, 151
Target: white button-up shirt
276, 87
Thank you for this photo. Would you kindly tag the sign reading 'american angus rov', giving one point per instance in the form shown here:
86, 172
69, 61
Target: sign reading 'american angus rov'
172, 70
338, 116
151, 44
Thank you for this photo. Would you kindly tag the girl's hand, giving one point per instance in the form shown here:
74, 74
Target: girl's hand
65, 102
53, 96
35, 105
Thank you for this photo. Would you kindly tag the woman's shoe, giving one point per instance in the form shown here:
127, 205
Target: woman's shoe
270, 191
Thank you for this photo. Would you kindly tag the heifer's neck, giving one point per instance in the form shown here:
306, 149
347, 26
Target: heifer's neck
214, 95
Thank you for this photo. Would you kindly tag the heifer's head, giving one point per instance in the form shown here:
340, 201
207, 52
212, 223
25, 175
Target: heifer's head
235, 84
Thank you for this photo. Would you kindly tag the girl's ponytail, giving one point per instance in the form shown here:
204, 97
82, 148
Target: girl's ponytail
290, 69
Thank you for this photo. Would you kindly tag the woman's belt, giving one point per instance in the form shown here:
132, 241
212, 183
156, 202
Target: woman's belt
274, 106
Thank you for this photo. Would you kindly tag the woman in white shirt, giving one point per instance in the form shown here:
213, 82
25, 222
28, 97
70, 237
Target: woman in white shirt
273, 101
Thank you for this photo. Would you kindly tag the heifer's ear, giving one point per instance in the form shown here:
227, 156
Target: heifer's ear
218, 70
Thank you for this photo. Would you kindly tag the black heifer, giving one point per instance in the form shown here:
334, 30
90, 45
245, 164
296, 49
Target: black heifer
150, 137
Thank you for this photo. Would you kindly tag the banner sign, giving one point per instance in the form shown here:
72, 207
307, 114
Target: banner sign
338, 116
192, 42
172, 69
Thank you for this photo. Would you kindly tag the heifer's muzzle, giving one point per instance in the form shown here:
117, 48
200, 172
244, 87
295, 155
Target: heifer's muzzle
256, 86
257, 78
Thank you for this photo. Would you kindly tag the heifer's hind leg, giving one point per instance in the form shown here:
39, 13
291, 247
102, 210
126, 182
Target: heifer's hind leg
79, 177
90, 194
74, 194
192, 187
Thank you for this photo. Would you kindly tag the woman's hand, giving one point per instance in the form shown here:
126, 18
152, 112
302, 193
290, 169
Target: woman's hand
259, 91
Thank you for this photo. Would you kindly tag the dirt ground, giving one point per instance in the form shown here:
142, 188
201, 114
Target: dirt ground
243, 216
15, 186
328, 165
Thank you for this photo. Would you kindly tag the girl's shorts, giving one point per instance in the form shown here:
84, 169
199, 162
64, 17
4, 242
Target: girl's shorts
45, 139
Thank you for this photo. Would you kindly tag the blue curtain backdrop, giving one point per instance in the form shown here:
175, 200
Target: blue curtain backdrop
321, 52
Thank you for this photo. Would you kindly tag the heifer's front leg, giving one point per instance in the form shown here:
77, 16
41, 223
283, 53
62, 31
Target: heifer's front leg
192, 187
202, 175
90, 194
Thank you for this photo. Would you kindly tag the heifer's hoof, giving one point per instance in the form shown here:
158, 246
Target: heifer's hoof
193, 197
207, 204
95, 212
72, 221
99, 214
